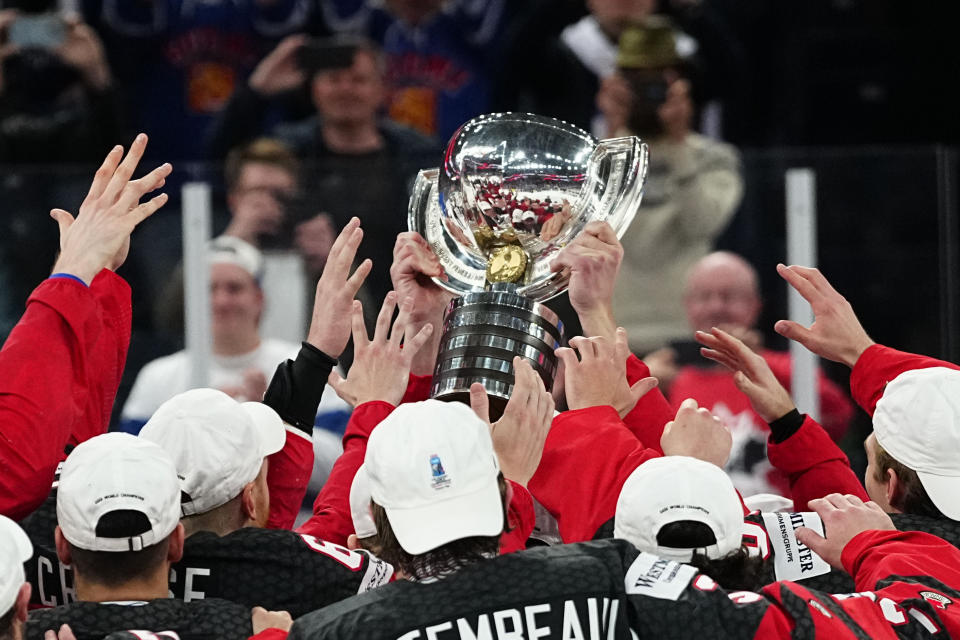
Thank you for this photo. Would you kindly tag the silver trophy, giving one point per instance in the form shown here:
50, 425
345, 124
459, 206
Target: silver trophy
514, 189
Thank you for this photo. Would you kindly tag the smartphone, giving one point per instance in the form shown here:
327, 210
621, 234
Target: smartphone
321, 55
42, 31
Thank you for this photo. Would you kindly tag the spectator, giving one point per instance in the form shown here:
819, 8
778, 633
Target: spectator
118, 507
722, 291
59, 102
63, 360
692, 191
179, 62
242, 361
343, 147
267, 208
442, 58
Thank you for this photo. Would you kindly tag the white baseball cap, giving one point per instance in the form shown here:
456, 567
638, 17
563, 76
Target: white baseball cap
117, 472
230, 250
363, 524
676, 488
917, 421
433, 469
15, 549
217, 444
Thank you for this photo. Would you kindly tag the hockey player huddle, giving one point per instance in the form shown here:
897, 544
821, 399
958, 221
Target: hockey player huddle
591, 511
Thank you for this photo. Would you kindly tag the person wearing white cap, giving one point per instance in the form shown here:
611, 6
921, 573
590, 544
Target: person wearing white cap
118, 508
688, 510
437, 492
15, 549
913, 453
242, 362
221, 450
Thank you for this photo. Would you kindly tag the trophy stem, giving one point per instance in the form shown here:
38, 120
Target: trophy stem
482, 332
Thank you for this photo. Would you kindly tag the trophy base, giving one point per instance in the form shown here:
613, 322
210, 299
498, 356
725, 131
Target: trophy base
482, 332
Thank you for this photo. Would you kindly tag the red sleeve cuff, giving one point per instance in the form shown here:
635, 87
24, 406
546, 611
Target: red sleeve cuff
418, 388
365, 417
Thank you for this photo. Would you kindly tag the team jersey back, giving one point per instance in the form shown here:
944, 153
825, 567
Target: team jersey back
608, 590
278, 570
211, 619
574, 587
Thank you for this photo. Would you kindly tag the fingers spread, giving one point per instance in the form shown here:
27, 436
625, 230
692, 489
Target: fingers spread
123, 173
357, 326
102, 177
355, 281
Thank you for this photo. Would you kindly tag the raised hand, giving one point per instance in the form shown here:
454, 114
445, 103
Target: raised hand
843, 516
414, 264
381, 366
593, 259
99, 237
697, 433
279, 71
330, 325
599, 377
752, 374
836, 333
519, 434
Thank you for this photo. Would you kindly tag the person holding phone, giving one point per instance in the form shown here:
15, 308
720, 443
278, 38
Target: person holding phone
56, 89
722, 290
355, 161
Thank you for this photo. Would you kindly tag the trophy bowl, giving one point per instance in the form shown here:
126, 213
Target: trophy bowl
513, 189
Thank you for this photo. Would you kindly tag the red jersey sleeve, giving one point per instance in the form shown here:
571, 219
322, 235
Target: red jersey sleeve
520, 518
270, 634
109, 355
879, 365
647, 419
288, 474
418, 388
331, 519
586, 459
50, 389
814, 465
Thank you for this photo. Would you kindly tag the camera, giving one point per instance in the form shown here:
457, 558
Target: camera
41, 31
645, 53
326, 54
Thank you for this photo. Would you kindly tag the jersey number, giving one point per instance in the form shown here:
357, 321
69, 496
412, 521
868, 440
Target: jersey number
344, 556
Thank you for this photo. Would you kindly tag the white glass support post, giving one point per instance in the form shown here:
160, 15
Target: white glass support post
196, 280
801, 203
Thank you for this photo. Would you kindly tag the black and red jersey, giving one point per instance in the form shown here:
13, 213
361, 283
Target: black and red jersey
906, 588
207, 620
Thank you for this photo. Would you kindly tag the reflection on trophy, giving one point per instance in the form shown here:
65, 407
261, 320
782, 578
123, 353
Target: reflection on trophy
514, 189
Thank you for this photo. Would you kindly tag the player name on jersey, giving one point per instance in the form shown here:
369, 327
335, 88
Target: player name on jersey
592, 618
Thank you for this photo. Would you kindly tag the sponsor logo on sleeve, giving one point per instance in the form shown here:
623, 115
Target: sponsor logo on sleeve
657, 577
378, 573
793, 560
938, 600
